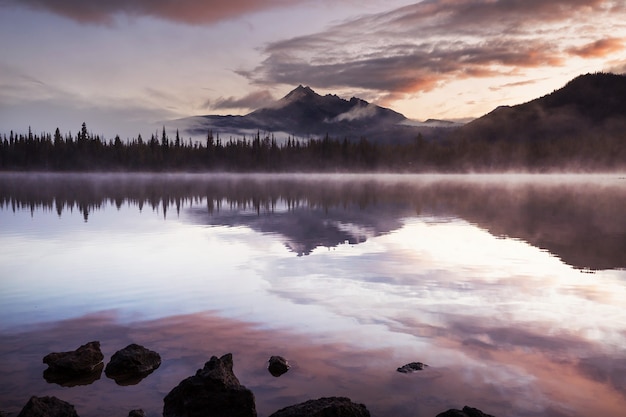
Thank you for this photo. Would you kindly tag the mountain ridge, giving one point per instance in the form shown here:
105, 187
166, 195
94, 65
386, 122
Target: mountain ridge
304, 113
590, 104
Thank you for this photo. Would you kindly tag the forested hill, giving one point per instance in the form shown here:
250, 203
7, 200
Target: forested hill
591, 105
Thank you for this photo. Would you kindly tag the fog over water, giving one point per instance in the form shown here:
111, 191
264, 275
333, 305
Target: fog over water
506, 286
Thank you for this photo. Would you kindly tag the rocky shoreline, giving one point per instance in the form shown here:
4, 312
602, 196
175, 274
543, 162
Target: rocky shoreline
214, 391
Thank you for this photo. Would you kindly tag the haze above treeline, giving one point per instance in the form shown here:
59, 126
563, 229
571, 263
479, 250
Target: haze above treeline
581, 126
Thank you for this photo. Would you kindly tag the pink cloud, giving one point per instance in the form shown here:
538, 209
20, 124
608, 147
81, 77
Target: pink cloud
183, 11
598, 49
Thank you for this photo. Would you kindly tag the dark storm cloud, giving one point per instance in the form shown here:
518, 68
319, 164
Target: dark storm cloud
253, 100
418, 47
183, 11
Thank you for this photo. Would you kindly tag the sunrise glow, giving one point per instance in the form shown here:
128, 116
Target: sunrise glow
130, 67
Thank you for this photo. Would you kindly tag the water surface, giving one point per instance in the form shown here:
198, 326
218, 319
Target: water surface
510, 288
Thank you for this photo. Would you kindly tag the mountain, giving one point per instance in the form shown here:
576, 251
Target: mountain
303, 113
588, 110
589, 105
305, 110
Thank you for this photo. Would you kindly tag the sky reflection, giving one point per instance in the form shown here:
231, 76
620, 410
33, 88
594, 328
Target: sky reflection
505, 326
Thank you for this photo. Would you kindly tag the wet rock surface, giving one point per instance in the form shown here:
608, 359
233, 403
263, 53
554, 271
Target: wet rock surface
80, 361
412, 367
47, 407
130, 365
78, 367
277, 366
466, 412
324, 407
213, 391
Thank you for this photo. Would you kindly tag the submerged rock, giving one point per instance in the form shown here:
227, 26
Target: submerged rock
213, 391
324, 407
82, 361
412, 367
277, 365
47, 407
130, 365
466, 412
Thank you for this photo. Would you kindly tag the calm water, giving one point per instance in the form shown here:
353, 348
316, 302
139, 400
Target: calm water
512, 288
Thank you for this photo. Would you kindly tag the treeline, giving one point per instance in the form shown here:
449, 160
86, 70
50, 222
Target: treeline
263, 153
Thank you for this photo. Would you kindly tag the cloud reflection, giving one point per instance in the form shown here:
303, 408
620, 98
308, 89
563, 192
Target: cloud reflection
510, 379
436, 279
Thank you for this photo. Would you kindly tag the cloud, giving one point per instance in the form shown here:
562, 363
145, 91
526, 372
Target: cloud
253, 100
357, 112
421, 47
598, 49
515, 84
182, 11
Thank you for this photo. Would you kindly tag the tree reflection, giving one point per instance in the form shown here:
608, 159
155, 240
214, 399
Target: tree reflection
583, 223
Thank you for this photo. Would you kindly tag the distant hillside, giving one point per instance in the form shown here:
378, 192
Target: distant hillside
591, 105
305, 114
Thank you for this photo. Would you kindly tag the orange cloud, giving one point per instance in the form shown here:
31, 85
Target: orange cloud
598, 49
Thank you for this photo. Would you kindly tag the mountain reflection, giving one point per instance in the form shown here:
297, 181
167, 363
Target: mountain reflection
579, 221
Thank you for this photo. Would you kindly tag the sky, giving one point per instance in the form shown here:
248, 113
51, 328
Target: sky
129, 66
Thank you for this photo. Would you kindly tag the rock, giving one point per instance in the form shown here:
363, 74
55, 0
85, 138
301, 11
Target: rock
278, 366
324, 407
137, 413
81, 361
130, 365
213, 391
412, 367
82, 366
466, 412
47, 407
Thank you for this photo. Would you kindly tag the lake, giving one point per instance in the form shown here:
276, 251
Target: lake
511, 288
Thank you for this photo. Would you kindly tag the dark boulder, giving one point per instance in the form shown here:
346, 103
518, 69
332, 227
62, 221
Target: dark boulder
130, 365
324, 407
277, 365
137, 413
213, 391
412, 367
80, 361
79, 367
466, 412
47, 407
